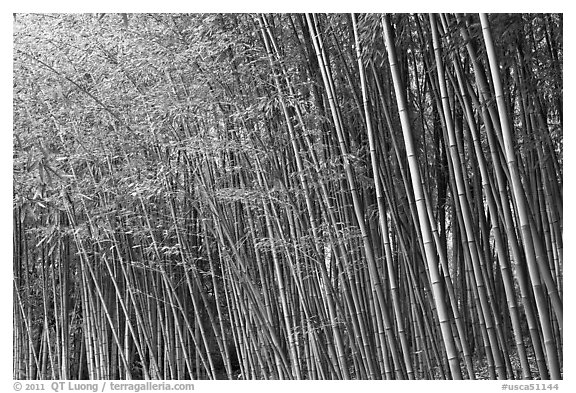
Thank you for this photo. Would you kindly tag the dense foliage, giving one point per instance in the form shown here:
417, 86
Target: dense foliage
287, 196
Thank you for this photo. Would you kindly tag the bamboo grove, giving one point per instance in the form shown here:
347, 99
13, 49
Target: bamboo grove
295, 196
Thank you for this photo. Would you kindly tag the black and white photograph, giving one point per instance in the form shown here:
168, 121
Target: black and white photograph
244, 196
